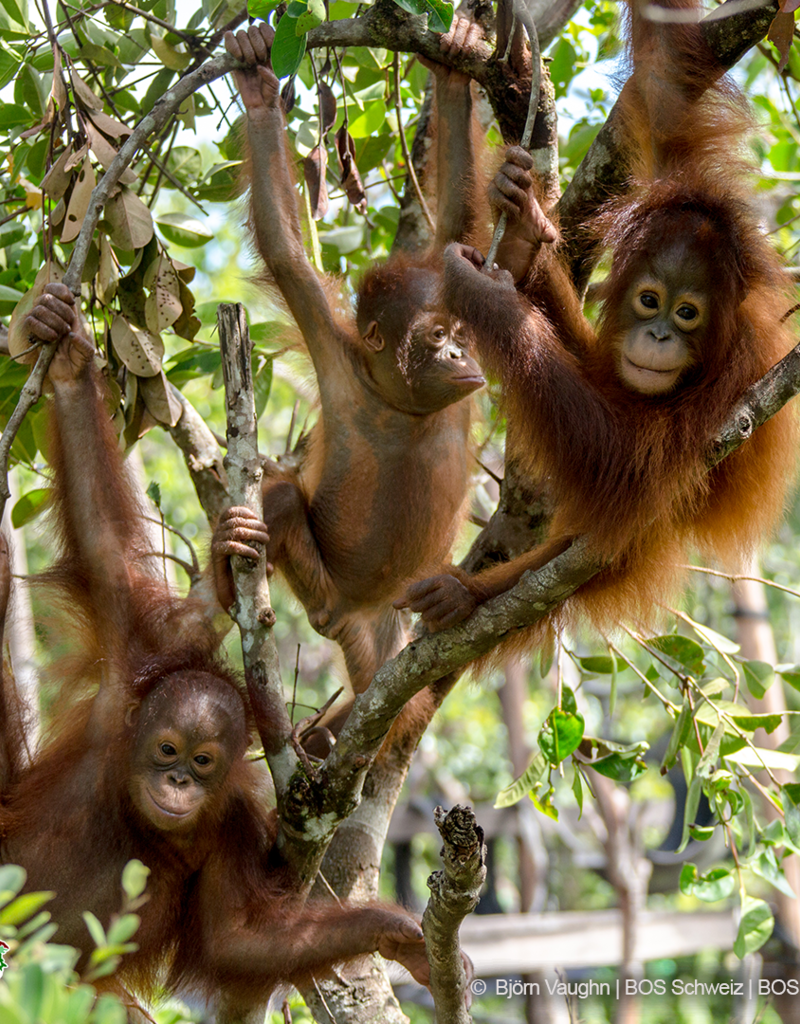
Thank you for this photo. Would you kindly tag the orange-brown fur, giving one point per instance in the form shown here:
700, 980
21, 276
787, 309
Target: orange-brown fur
627, 470
152, 765
379, 495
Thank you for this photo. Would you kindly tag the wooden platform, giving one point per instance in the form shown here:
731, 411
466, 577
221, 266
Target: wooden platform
504, 944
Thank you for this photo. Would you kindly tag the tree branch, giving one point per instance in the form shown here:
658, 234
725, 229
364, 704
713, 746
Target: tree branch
152, 122
431, 657
203, 458
252, 612
455, 892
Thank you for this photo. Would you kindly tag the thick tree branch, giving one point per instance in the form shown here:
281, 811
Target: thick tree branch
730, 31
431, 657
203, 458
455, 892
252, 611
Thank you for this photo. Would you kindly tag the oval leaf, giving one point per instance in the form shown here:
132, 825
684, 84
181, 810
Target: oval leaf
288, 48
183, 230
755, 927
139, 350
130, 224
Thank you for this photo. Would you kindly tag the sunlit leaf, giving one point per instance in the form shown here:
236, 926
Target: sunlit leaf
531, 779
183, 230
755, 927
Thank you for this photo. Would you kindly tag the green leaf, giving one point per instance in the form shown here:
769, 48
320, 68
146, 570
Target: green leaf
9, 294
288, 48
313, 16
755, 927
622, 762
705, 766
561, 733
577, 789
759, 676
790, 673
790, 797
29, 506
690, 810
260, 8
154, 493
18, 12
344, 240
766, 865
530, 779
12, 879
262, 381
714, 885
680, 733
440, 14
134, 878
544, 803
123, 928
370, 121
109, 1010
601, 665
183, 230
701, 833
681, 652
708, 714
568, 701
95, 928
713, 638
688, 878
24, 906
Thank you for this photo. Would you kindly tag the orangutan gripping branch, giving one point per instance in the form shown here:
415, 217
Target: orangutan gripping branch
153, 766
618, 421
379, 497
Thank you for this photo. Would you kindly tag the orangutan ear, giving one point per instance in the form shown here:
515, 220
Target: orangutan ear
373, 338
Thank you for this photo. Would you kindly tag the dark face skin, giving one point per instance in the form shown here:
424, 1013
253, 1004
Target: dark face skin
185, 746
420, 365
664, 320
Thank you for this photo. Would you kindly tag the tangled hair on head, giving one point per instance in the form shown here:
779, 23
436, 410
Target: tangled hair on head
394, 290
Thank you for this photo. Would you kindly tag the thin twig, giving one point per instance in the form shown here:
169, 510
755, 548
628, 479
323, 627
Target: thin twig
412, 174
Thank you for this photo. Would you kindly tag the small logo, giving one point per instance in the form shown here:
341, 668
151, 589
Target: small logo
3, 964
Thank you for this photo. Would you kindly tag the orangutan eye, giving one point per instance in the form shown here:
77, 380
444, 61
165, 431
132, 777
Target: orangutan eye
167, 750
647, 302
687, 313
202, 760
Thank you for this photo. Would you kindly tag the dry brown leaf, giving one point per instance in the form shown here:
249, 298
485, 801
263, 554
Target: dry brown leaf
327, 106
59, 90
78, 202
139, 350
129, 222
350, 180
57, 179
57, 213
105, 152
18, 337
781, 33
159, 400
115, 129
107, 273
163, 305
84, 94
314, 166
47, 120
77, 157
